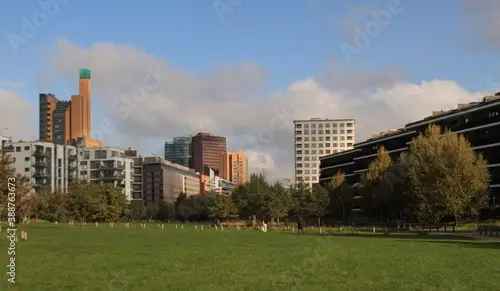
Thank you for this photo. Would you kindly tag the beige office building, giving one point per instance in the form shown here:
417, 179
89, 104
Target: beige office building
317, 137
236, 167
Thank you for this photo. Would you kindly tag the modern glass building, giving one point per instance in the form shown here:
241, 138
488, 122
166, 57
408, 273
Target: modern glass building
479, 122
179, 151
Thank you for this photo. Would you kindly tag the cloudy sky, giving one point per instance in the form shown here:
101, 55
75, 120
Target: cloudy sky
245, 69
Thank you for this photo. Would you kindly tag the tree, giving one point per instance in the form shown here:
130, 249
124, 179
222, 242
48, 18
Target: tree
25, 200
310, 202
252, 198
279, 202
375, 184
340, 194
446, 176
221, 206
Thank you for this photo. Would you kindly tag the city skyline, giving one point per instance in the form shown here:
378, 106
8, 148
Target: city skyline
367, 65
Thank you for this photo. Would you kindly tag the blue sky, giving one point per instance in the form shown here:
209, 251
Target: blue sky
290, 39
429, 53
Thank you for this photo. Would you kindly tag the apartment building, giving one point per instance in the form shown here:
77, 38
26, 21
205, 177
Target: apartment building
479, 122
47, 166
179, 150
236, 167
316, 137
106, 165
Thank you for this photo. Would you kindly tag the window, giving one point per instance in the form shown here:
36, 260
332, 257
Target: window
298, 172
299, 145
306, 125
313, 131
327, 151
299, 165
349, 131
26, 148
327, 138
349, 138
320, 125
18, 149
334, 132
27, 159
335, 138
349, 124
320, 132
342, 131
320, 138
306, 152
306, 145
313, 125
320, 152
327, 131
100, 154
306, 138
298, 125
298, 138
342, 138
299, 159
349, 144
334, 125
327, 144
327, 125
299, 152
26, 169
298, 132
342, 125
306, 131
313, 145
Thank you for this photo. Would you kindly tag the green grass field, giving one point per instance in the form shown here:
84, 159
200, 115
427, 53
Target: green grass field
65, 257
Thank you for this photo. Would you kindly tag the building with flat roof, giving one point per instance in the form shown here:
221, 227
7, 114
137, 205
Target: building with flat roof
316, 137
179, 150
208, 150
165, 181
47, 166
235, 167
479, 122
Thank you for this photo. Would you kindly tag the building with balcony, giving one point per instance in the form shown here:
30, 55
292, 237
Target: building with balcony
316, 137
479, 122
106, 165
47, 166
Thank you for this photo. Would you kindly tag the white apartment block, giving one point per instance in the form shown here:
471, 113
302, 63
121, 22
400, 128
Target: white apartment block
47, 166
106, 165
318, 137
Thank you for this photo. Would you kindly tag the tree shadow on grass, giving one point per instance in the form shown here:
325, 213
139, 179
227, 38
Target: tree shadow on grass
463, 240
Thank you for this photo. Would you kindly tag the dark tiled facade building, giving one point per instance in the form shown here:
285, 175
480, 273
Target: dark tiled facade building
479, 122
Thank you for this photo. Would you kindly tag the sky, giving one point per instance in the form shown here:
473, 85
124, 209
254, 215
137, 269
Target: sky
245, 69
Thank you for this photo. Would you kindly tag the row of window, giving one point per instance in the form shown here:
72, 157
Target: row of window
319, 145
326, 131
308, 165
306, 172
327, 151
321, 138
321, 125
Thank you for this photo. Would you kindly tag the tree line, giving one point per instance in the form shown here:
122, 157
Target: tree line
440, 178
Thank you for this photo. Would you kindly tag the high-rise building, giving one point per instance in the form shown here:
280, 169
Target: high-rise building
179, 151
317, 137
48, 104
236, 167
208, 150
68, 122
60, 122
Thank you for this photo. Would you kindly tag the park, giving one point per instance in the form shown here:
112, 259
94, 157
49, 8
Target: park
157, 256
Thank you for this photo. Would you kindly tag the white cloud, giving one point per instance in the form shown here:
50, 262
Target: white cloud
141, 100
16, 116
485, 18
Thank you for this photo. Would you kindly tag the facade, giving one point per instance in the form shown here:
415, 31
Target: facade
47, 166
479, 122
315, 138
106, 165
179, 151
136, 173
4, 140
68, 122
165, 181
208, 151
236, 167
47, 105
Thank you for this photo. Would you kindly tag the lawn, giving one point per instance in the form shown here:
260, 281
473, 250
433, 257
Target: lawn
66, 257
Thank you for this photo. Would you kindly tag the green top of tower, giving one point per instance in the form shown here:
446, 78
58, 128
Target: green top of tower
84, 74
